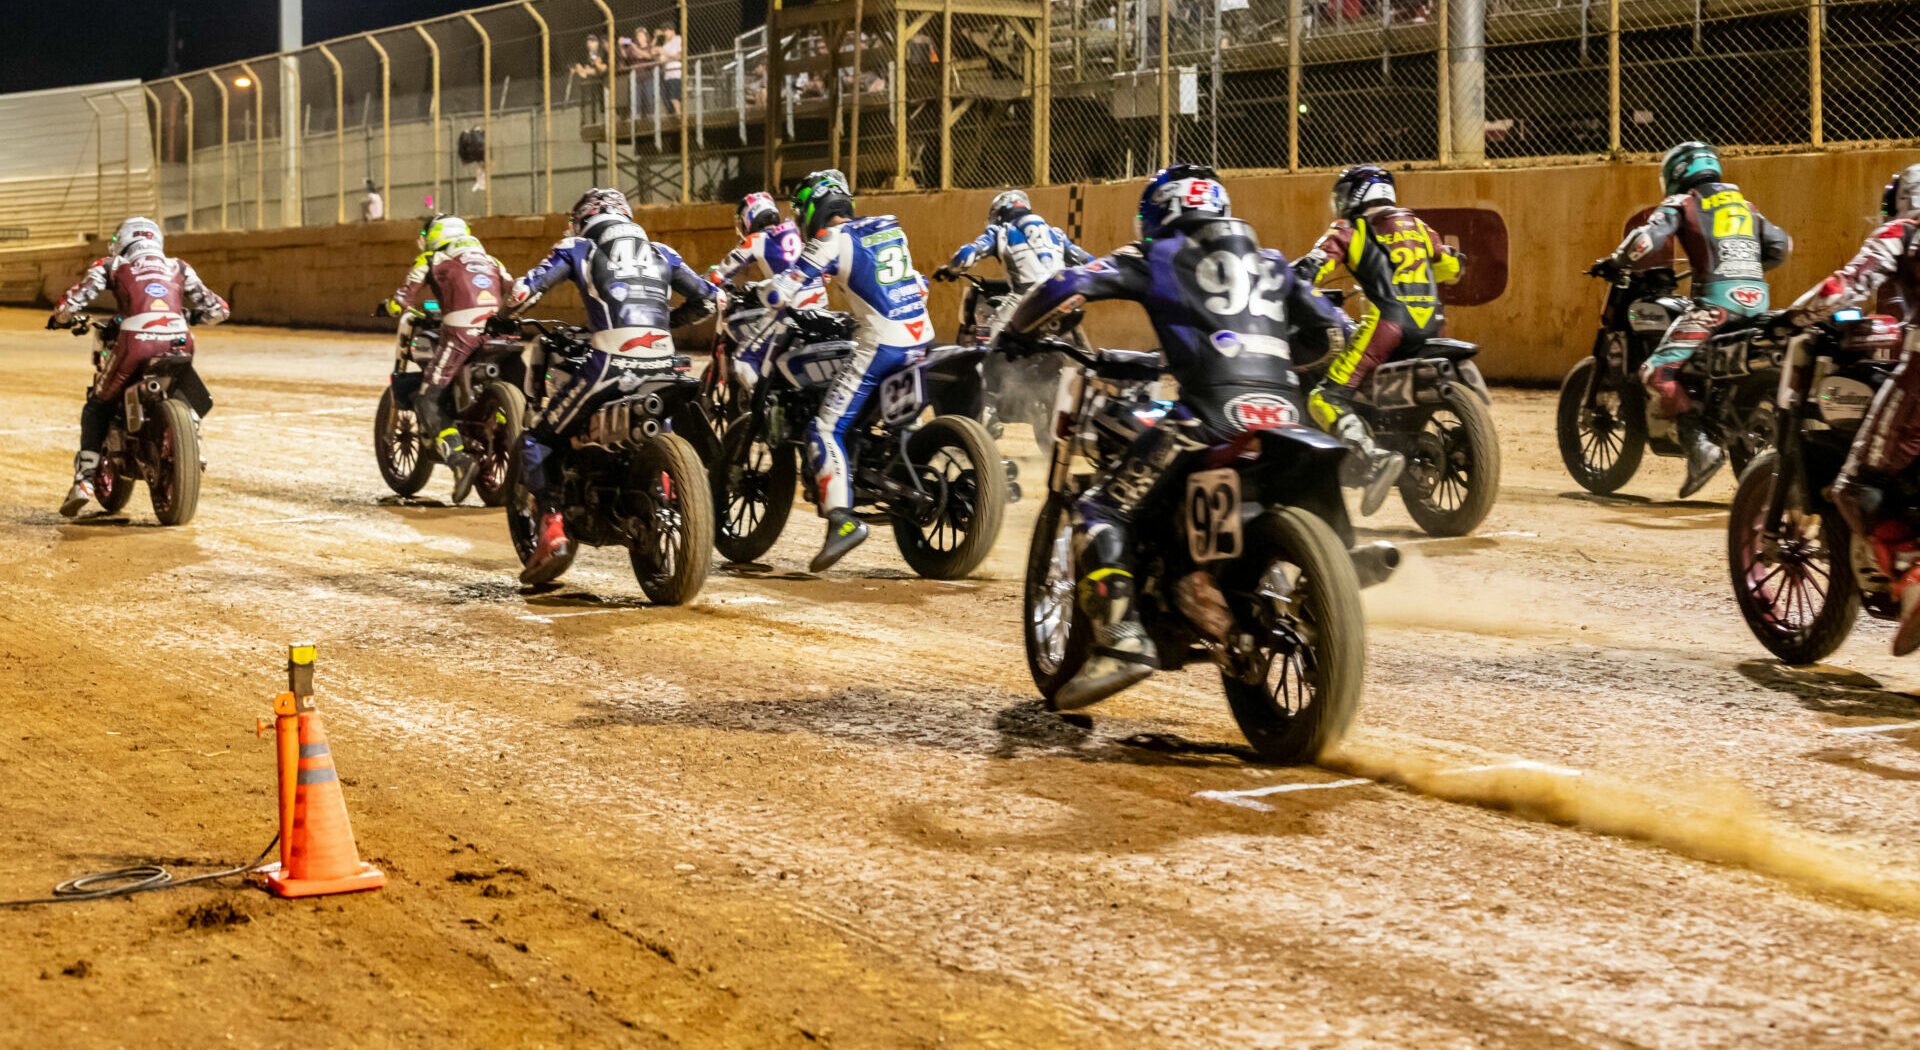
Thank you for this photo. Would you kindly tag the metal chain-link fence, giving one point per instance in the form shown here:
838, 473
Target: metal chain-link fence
516, 108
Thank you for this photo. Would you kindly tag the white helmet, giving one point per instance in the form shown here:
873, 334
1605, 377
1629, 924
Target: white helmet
1006, 202
1902, 198
138, 236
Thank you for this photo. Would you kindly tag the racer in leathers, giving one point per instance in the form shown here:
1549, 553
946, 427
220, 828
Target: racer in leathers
768, 247
156, 298
889, 300
1875, 488
1030, 248
1228, 316
453, 269
625, 281
1400, 264
1729, 247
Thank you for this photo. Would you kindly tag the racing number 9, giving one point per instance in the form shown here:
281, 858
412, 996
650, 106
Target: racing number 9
1213, 515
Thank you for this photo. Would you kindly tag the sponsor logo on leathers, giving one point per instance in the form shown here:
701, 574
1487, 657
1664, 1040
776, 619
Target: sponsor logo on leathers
1261, 412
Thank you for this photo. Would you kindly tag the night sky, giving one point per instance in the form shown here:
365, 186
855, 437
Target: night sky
116, 39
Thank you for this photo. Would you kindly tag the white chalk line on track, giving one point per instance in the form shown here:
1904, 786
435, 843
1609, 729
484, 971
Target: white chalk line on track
1891, 727
243, 417
1248, 799
271, 521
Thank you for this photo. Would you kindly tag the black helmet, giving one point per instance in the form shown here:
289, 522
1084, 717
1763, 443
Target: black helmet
821, 196
1361, 187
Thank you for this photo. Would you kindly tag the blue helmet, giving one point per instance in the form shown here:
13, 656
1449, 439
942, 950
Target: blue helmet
1177, 194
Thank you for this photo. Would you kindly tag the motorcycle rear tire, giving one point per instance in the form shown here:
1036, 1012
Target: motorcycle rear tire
176, 465
769, 487
983, 483
523, 524
402, 456
671, 457
1599, 478
1482, 482
1331, 600
496, 437
1821, 634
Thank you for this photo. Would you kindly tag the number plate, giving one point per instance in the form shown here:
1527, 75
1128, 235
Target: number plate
1213, 515
902, 395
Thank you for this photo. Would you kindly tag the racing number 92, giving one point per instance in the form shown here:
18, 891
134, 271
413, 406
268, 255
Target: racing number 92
1213, 515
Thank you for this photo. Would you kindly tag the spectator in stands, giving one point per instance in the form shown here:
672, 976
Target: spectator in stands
591, 73
372, 208
669, 48
639, 57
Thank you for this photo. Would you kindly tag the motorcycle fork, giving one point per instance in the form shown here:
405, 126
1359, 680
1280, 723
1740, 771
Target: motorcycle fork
1796, 376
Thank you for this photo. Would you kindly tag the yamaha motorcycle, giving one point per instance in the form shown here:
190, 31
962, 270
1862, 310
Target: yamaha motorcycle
1257, 531
1430, 404
1605, 421
940, 482
489, 408
1800, 574
631, 475
155, 434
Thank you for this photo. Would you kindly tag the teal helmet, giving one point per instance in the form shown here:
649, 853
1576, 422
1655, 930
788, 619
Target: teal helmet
1688, 165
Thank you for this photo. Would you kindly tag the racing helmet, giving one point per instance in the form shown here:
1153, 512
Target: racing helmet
1361, 187
138, 236
1688, 165
598, 205
1902, 198
1177, 194
756, 212
821, 197
1004, 205
441, 230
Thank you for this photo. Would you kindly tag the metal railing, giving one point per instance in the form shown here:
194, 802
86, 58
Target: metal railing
680, 101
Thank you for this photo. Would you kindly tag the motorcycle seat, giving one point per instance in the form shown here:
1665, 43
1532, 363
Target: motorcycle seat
1451, 349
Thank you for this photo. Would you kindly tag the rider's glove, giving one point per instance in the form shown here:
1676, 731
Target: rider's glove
1014, 343
502, 323
1786, 323
54, 321
195, 317
944, 273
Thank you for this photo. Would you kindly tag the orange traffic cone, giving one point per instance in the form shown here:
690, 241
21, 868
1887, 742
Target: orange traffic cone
317, 854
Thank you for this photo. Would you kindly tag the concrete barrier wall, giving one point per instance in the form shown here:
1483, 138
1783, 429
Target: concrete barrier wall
1558, 221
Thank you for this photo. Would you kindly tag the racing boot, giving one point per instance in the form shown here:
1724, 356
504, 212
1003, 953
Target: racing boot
86, 466
1906, 637
466, 469
845, 531
1703, 456
552, 551
1377, 468
1122, 655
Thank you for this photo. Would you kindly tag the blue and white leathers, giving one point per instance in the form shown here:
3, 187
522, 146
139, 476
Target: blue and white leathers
889, 300
1027, 246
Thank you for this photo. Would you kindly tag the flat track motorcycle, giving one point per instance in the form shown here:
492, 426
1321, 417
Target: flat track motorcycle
1431, 405
1800, 574
155, 434
1259, 520
489, 408
630, 476
1016, 391
941, 482
1604, 420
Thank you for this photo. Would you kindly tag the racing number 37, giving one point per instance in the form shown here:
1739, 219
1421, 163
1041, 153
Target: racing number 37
892, 265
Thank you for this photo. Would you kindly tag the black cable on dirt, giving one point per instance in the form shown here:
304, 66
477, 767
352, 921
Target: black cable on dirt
125, 882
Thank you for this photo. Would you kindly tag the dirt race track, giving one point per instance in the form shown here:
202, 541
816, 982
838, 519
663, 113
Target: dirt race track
1581, 806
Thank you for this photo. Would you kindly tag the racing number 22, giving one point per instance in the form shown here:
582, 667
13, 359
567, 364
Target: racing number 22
1213, 515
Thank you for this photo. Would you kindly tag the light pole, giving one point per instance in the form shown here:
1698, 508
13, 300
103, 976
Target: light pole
291, 211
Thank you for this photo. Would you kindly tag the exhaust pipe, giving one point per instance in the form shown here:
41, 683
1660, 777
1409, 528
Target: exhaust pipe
1374, 562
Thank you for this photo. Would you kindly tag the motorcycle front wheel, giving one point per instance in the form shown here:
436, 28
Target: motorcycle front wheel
398, 447
674, 548
1057, 636
1601, 444
1797, 594
493, 437
959, 467
1453, 465
753, 486
1301, 688
175, 488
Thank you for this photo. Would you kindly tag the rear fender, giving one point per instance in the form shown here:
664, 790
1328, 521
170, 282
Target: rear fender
188, 387
1297, 467
953, 382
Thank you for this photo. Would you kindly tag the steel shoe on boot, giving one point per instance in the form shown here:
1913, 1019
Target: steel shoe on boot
1703, 457
1123, 655
551, 552
86, 466
466, 471
1371, 467
845, 531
